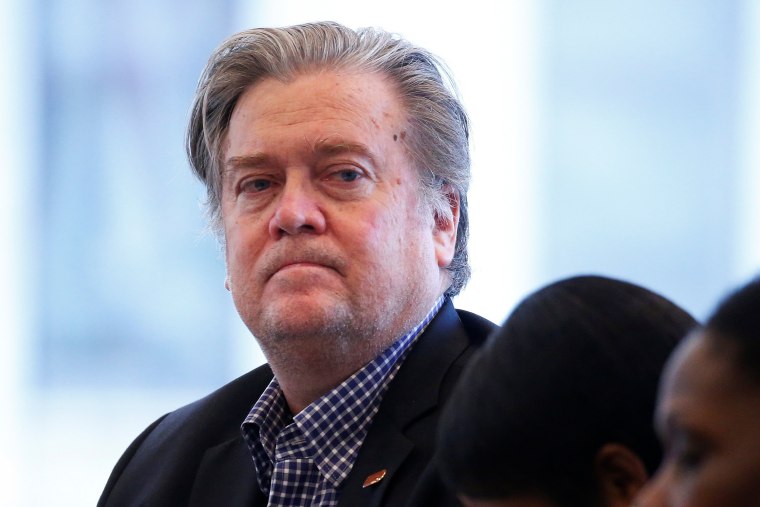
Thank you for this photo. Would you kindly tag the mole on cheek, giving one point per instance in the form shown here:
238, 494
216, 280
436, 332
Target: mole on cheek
395, 137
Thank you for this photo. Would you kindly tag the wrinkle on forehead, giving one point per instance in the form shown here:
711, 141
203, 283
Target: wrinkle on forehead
340, 118
350, 99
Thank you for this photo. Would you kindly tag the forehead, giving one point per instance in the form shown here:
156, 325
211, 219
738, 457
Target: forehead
696, 366
700, 374
338, 98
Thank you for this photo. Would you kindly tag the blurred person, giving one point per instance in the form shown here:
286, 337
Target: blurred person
336, 164
708, 412
555, 409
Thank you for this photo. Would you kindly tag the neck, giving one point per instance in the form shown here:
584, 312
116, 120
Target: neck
309, 369
308, 366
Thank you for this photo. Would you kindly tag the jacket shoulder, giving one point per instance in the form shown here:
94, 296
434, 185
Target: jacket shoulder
477, 328
159, 467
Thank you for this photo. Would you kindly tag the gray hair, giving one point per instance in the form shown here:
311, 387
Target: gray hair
438, 129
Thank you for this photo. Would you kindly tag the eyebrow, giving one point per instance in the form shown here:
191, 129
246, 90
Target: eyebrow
321, 147
338, 147
247, 162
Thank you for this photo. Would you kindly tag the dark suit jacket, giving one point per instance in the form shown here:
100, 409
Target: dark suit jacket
196, 455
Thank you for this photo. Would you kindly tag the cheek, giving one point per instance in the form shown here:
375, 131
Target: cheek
720, 484
377, 244
744, 481
233, 242
243, 243
379, 228
372, 240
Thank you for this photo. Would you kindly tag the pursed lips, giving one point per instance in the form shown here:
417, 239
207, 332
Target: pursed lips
302, 272
300, 264
310, 260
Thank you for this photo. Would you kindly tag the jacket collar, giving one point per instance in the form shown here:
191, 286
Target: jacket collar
227, 476
412, 398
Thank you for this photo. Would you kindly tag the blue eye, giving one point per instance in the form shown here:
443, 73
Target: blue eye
256, 185
346, 180
348, 175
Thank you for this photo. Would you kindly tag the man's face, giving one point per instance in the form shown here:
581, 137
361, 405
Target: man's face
326, 235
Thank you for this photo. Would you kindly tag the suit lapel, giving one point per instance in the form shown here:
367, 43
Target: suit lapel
226, 476
385, 449
412, 397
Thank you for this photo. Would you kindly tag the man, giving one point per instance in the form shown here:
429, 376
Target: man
337, 166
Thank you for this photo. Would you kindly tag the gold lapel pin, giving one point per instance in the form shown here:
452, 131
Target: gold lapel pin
374, 478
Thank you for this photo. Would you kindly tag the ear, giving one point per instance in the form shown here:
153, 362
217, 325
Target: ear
620, 474
445, 229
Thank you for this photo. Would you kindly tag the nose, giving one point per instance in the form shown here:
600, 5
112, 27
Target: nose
298, 210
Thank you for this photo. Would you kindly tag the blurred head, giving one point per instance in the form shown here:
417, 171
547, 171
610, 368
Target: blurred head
708, 412
555, 410
435, 133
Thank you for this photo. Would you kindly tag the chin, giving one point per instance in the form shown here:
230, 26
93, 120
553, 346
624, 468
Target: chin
308, 318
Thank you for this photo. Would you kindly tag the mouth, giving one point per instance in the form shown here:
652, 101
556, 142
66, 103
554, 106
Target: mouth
305, 260
298, 265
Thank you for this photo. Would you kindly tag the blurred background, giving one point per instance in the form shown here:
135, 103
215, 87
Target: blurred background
618, 138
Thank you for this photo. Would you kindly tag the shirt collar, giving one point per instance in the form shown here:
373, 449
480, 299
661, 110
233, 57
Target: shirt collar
336, 424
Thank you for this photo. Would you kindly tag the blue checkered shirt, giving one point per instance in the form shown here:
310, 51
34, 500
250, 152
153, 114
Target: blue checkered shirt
302, 460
